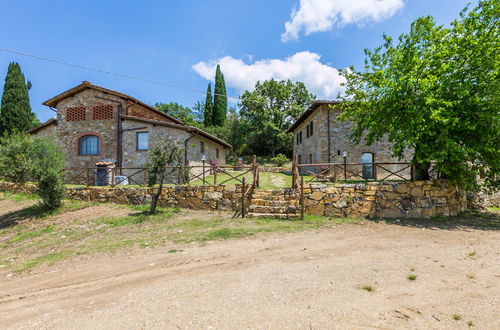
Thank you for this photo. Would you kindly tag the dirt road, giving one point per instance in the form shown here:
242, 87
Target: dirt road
306, 280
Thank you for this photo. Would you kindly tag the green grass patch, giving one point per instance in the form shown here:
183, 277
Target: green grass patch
18, 197
368, 288
456, 317
412, 277
46, 259
31, 234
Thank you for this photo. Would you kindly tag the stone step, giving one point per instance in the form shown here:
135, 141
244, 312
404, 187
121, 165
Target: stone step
273, 215
266, 202
272, 209
274, 197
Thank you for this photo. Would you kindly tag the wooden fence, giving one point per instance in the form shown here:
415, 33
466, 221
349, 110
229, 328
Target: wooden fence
178, 175
333, 172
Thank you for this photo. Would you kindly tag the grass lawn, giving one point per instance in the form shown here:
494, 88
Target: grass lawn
31, 236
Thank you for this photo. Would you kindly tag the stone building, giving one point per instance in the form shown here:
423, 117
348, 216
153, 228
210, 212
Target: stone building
102, 129
319, 138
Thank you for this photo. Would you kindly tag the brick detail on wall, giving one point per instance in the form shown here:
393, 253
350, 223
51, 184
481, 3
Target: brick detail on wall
141, 112
76, 113
102, 111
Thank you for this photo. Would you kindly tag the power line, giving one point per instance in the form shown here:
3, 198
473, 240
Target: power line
234, 99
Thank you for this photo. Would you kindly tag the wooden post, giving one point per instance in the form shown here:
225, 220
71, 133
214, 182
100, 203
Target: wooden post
294, 177
302, 198
145, 177
203, 173
113, 176
243, 198
215, 174
88, 176
254, 170
345, 168
258, 176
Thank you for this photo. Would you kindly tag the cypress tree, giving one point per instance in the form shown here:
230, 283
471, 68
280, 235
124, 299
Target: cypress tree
208, 110
15, 111
220, 99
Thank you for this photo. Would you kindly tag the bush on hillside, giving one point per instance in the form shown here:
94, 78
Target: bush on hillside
280, 160
25, 158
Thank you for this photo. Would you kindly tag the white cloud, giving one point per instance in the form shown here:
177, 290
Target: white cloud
320, 79
322, 15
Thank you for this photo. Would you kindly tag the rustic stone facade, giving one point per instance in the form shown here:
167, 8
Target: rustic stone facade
330, 138
115, 119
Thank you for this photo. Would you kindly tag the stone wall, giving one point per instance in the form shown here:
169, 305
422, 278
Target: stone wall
226, 197
316, 146
69, 132
420, 199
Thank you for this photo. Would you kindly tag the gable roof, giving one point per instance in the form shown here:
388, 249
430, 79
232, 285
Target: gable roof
309, 111
186, 128
87, 85
47, 123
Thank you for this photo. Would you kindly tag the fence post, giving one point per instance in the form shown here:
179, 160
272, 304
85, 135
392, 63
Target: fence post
302, 198
254, 170
243, 198
345, 168
258, 176
215, 174
88, 176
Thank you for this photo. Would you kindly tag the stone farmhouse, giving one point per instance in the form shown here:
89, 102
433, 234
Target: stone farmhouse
102, 129
320, 138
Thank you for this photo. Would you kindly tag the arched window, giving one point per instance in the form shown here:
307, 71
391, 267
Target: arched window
89, 145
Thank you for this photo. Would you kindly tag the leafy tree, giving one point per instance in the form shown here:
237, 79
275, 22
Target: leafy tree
15, 110
220, 99
435, 92
47, 167
208, 108
26, 158
199, 112
270, 109
15, 161
165, 152
177, 111
233, 131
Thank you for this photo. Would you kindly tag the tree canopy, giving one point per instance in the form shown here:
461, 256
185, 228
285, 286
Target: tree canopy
208, 108
178, 111
15, 110
436, 92
219, 112
270, 109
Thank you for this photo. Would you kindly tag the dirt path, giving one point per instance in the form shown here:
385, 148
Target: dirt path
308, 280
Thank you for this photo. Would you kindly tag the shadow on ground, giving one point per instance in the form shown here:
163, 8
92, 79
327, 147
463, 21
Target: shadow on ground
467, 220
31, 212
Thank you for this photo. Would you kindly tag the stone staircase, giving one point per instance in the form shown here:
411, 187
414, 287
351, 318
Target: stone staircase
282, 204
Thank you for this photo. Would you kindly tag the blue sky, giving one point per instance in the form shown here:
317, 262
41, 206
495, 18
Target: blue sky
179, 42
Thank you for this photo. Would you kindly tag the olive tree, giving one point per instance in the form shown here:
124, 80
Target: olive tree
164, 159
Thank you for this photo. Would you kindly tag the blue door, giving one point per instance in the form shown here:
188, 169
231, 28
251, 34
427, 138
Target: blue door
101, 176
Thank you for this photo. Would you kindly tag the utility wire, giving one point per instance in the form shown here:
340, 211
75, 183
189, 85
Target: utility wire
234, 99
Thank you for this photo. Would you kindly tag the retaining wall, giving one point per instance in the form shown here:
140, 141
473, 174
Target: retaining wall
375, 199
387, 200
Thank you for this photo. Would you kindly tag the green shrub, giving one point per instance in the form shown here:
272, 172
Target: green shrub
280, 160
15, 163
26, 158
